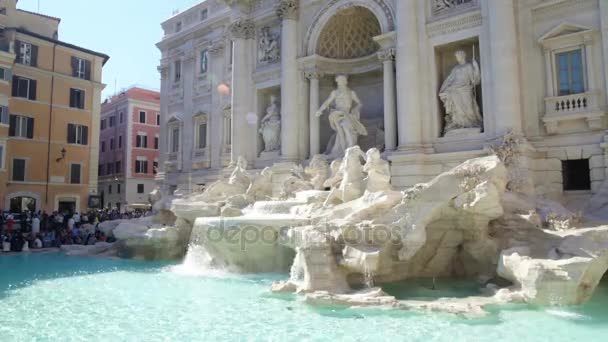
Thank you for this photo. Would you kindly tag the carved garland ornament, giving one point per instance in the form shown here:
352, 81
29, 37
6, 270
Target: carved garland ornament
242, 29
287, 9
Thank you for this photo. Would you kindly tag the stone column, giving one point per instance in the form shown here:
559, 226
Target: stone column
287, 10
409, 122
387, 56
504, 66
315, 134
242, 31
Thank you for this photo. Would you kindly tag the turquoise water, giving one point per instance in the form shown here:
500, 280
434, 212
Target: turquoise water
56, 298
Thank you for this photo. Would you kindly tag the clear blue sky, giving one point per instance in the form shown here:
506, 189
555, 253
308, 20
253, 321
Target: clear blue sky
126, 30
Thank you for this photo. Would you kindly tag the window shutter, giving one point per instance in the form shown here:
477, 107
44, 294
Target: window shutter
146, 166
15, 86
8, 74
85, 135
81, 99
72, 98
12, 125
74, 66
137, 141
71, 134
32, 90
30, 128
145, 141
34, 60
18, 50
87, 70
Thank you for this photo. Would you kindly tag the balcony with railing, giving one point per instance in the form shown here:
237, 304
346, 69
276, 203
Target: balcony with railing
573, 107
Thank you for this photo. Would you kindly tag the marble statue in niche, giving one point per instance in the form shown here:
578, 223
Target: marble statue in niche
344, 118
270, 127
268, 49
458, 95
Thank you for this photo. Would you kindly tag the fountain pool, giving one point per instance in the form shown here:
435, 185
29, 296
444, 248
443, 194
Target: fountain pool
55, 297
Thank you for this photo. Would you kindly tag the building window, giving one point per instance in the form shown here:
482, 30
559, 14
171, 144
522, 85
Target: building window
118, 167
81, 68
141, 141
140, 188
178, 26
103, 124
103, 146
78, 134
21, 126
204, 61
18, 172
118, 188
110, 168
26, 53
111, 144
75, 170
576, 175
174, 146
120, 141
155, 167
120, 117
77, 98
570, 72
177, 71
24, 88
157, 119
100, 170
142, 117
202, 135
204, 14
5, 74
109, 190
141, 166
156, 143
4, 115
112, 121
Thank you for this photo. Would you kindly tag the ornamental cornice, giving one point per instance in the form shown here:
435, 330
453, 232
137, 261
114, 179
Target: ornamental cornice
217, 47
451, 25
287, 9
242, 29
557, 9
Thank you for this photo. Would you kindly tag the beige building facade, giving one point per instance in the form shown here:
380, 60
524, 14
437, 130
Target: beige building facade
50, 93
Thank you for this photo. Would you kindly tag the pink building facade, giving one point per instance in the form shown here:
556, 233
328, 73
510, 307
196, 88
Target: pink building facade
128, 148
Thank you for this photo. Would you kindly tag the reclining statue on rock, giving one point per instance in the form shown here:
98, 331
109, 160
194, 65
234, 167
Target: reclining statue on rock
336, 176
261, 187
378, 172
295, 183
237, 184
352, 185
317, 172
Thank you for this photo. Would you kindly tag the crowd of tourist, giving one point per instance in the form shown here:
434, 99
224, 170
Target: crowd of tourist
29, 230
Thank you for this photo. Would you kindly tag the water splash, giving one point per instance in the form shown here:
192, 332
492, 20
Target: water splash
198, 262
368, 277
296, 273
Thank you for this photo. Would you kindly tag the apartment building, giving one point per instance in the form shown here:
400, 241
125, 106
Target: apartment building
50, 101
128, 156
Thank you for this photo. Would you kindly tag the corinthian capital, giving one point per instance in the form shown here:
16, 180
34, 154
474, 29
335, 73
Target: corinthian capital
387, 54
287, 9
242, 29
313, 74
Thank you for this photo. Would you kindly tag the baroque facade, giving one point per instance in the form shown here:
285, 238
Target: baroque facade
430, 83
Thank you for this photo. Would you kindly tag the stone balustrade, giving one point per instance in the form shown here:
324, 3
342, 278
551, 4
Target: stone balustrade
572, 107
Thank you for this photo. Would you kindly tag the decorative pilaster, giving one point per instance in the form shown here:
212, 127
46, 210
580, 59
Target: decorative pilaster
504, 66
409, 122
315, 134
287, 10
387, 57
242, 32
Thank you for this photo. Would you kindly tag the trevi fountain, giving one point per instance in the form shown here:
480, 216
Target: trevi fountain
373, 169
